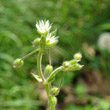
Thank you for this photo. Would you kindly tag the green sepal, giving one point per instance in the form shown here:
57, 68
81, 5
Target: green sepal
38, 78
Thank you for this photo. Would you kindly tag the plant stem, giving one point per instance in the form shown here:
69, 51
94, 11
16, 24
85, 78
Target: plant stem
29, 54
43, 40
62, 80
51, 105
39, 59
54, 72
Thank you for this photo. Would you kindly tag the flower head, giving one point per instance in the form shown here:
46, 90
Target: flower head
104, 41
43, 27
51, 40
73, 64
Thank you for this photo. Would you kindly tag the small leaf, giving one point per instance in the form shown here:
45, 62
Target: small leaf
38, 78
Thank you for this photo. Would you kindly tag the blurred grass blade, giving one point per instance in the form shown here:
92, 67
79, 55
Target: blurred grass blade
13, 37
6, 57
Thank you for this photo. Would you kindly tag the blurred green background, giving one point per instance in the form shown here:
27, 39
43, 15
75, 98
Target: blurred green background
79, 24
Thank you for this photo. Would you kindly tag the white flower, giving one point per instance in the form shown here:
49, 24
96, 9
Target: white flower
43, 26
104, 41
51, 40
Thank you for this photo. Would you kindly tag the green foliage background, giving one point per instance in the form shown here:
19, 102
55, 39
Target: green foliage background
77, 21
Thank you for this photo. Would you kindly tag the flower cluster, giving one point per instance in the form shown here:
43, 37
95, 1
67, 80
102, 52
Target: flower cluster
43, 28
47, 75
73, 64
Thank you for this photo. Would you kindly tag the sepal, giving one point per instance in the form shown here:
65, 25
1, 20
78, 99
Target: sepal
38, 78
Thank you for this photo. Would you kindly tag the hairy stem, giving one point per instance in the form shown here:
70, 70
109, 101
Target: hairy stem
51, 105
29, 54
39, 59
63, 76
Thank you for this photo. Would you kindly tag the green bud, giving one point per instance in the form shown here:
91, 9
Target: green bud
54, 91
36, 42
78, 56
72, 62
77, 66
54, 100
18, 63
48, 69
66, 64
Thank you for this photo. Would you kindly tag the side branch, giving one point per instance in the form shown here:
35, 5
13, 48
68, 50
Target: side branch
29, 54
54, 73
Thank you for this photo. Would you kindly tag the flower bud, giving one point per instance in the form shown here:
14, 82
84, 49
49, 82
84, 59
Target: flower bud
54, 91
78, 56
36, 42
77, 66
66, 64
18, 63
54, 100
48, 70
72, 62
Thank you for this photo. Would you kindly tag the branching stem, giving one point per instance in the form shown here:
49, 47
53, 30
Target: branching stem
54, 73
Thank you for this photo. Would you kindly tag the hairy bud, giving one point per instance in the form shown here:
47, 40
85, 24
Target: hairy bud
66, 64
18, 63
36, 42
54, 91
77, 56
54, 100
48, 70
78, 66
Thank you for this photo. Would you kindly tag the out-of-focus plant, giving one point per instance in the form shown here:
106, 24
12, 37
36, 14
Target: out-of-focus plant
102, 105
43, 44
80, 90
